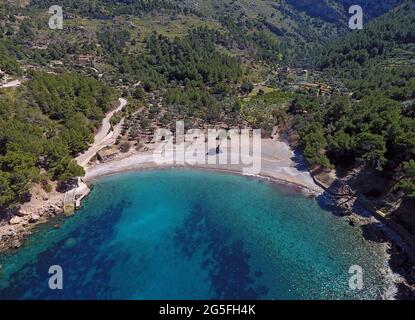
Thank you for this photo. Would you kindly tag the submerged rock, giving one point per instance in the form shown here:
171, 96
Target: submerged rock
352, 223
16, 244
70, 243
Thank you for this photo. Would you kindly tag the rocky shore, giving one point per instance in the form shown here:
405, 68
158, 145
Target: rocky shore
40, 209
400, 255
42, 206
279, 168
21, 226
359, 214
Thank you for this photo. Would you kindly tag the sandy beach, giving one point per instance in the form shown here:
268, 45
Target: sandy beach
278, 162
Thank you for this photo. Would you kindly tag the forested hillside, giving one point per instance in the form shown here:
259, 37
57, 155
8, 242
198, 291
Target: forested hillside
336, 11
210, 62
273, 26
43, 126
381, 44
376, 123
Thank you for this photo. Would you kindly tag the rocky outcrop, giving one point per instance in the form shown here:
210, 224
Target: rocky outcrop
15, 220
23, 213
57, 210
34, 218
16, 244
20, 226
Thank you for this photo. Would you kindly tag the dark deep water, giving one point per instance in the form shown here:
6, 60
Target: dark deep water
194, 235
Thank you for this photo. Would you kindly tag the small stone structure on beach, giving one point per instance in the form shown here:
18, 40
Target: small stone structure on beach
73, 198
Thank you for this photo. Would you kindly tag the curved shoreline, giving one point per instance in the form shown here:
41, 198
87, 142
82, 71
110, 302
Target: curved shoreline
279, 163
393, 278
390, 277
306, 189
281, 171
389, 274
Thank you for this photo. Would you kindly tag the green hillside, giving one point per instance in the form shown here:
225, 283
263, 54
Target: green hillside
211, 62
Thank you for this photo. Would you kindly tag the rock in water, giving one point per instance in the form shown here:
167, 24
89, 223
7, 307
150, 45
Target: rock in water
16, 244
70, 243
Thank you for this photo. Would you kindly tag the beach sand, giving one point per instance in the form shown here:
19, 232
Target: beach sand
278, 162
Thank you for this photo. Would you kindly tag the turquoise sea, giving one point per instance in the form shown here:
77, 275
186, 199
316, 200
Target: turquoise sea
184, 234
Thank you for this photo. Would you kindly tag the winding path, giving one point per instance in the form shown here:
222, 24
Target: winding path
11, 84
103, 138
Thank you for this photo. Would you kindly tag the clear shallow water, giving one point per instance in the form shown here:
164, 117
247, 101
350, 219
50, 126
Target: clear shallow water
194, 235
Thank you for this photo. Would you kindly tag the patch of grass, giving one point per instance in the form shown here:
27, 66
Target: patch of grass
269, 96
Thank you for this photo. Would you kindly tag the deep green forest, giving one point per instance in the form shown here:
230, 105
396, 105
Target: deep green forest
376, 123
43, 126
204, 63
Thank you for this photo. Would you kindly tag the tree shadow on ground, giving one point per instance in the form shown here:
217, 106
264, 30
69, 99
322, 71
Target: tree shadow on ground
299, 161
